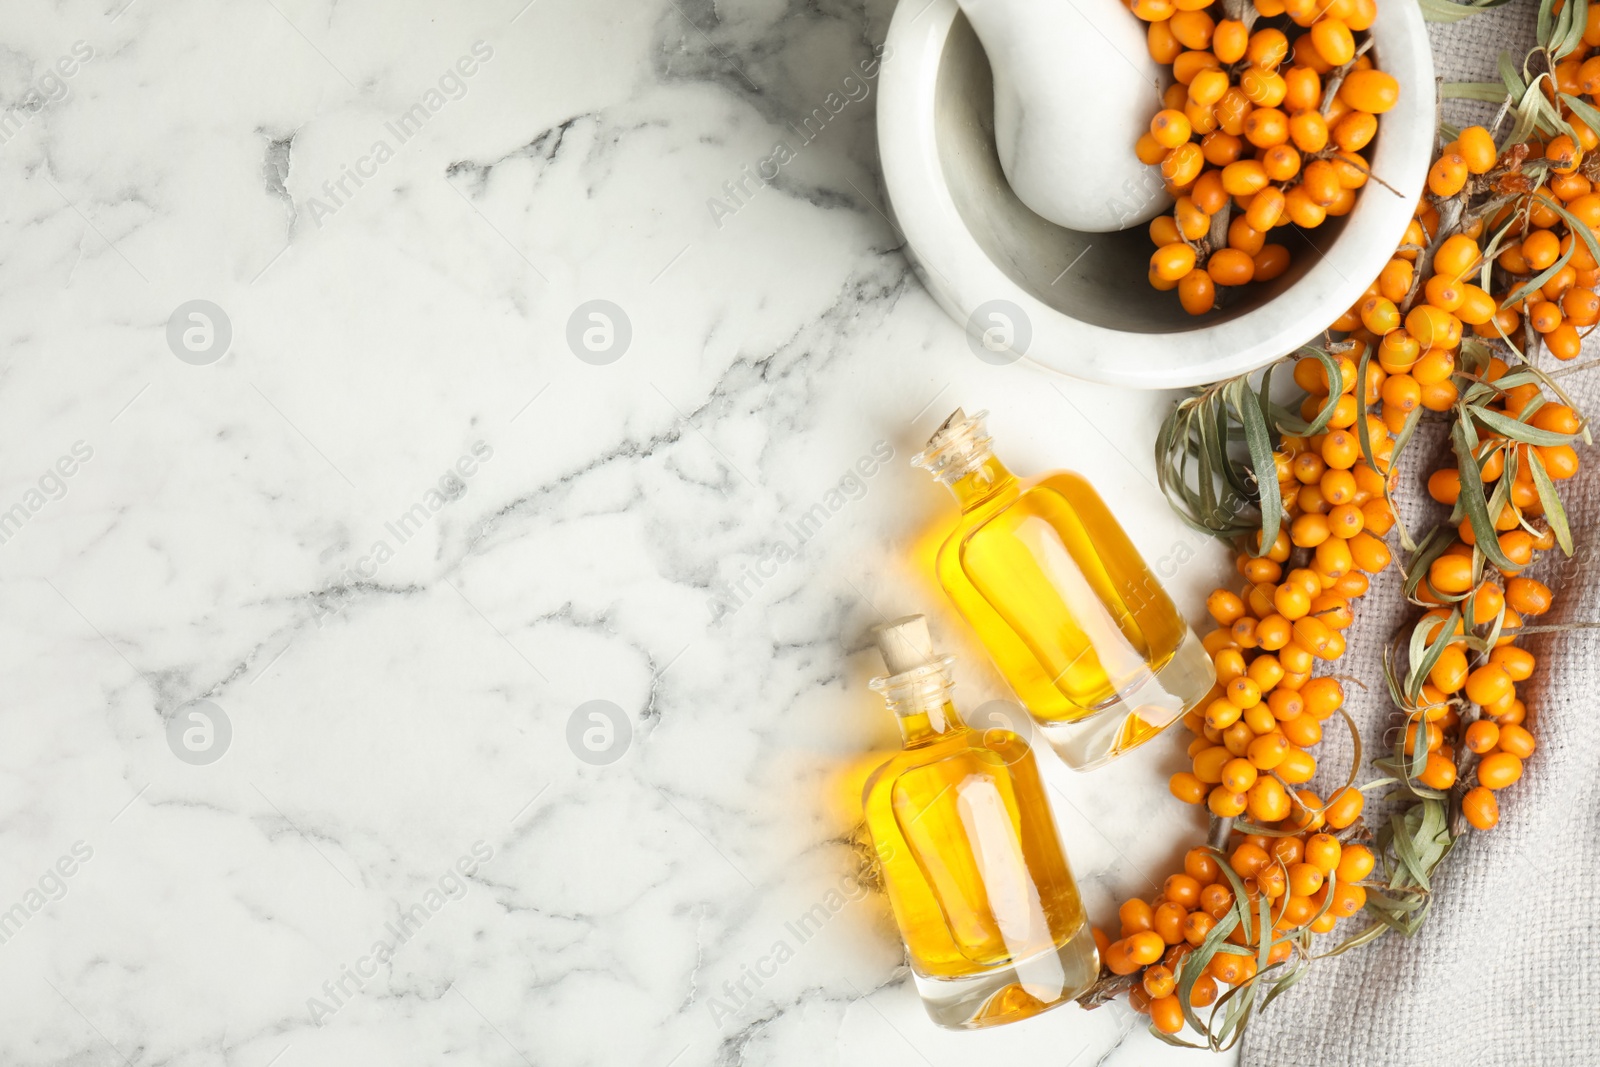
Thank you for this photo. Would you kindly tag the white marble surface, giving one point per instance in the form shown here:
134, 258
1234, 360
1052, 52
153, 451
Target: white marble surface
394, 718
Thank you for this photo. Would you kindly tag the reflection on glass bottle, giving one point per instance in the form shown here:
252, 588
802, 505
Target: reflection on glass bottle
972, 861
1062, 601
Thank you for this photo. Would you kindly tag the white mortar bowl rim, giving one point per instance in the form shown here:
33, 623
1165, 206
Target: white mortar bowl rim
962, 276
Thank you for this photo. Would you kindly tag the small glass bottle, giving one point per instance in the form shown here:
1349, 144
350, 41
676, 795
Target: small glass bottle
1062, 601
971, 858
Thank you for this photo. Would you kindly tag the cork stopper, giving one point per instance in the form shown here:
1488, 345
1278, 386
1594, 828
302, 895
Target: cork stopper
959, 446
905, 644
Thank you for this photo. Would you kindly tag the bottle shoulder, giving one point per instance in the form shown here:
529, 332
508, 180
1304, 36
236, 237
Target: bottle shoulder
993, 752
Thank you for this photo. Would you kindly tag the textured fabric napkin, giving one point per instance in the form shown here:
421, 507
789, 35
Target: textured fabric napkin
1506, 969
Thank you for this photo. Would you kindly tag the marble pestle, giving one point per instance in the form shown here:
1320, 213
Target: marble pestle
1074, 85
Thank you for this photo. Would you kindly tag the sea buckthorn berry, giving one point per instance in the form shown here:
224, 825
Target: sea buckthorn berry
1244, 178
1202, 865
1307, 813
1516, 740
1243, 692
1285, 704
1172, 261
1268, 750
1271, 262
1322, 696
1135, 915
1263, 88
1448, 175
1444, 485
1166, 1014
1230, 266
1187, 788
1192, 28
1379, 315
1267, 48
1302, 730
1476, 146
1308, 130
1182, 889
1191, 63
1298, 767
1242, 237
1158, 980
1196, 292
1370, 90
1216, 899
1424, 733
1488, 684
1183, 164
1160, 42
1225, 804
1481, 808
1347, 520
1499, 769
1208, 764
1444, 293
1228, 967
1238, 775
1152, 10
1170, 128
1540, 249
1438, 773
1369, 553
1354, 131
1322, 851
1333, 41
1563, 153
1456, 256
1266, 126
1146, 946
1225, 607
1355, 863
1481, 736
1527, 596
1344, 808
1229, 40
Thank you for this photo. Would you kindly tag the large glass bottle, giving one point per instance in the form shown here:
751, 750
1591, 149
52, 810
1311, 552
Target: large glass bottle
971, 858
1062, 601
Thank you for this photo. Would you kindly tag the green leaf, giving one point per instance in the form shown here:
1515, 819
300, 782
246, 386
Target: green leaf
1455, 10
1518, 430
1554, 513
1584, 110
1424, 655
1330, 366
1508, 73
1487, 92
1471, 499
1259, 441
1413, 420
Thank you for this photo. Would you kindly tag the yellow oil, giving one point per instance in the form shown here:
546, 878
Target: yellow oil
1056, 591
971, 859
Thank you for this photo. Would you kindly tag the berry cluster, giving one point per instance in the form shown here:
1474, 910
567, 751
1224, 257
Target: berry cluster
1256, 132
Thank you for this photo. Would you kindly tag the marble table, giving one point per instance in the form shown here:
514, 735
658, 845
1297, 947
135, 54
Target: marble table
437, 567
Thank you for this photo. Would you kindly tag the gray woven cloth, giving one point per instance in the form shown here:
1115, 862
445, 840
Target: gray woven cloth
1507, 968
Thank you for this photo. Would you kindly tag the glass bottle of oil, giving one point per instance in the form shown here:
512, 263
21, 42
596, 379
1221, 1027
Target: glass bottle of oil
972, 861
1062, 601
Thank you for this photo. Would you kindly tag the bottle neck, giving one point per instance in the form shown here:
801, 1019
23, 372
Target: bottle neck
920, 700
986, 479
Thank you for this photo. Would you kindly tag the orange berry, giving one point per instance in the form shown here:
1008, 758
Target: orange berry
1230, 266
1481, 808
1172, 262
1499, 769
1516, 740
1438, 773
1477, 148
